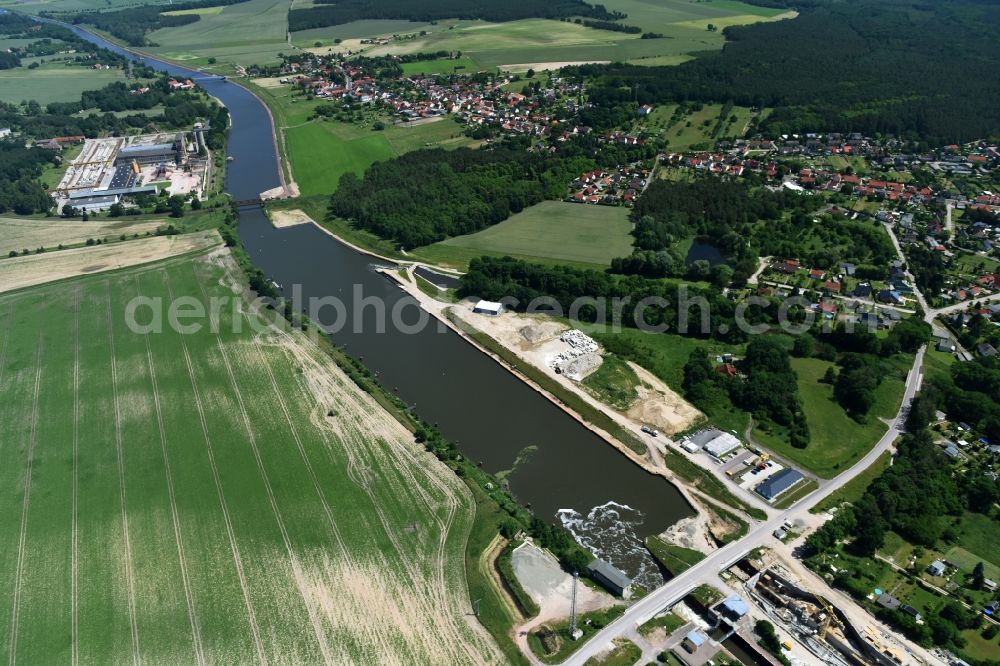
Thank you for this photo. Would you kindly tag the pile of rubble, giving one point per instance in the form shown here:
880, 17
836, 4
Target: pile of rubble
579, 340
580, 359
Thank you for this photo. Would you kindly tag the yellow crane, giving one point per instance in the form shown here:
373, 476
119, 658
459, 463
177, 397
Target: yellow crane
830, 617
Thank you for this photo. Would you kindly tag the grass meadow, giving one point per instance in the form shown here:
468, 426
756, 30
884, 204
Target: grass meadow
223, 496
53, 82
548, 232
837, 440
319, 152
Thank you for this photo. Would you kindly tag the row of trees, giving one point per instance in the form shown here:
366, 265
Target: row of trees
776, 65
330, 12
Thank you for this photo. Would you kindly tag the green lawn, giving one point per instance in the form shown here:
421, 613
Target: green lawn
321, 151
668, 621
980, 535
179, 498
625, 653
53, 82
676, 559
856, 487
696, 127
837, 440
551, 232
319, 157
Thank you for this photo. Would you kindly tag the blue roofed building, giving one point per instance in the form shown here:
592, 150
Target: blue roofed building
773, 486
732, 608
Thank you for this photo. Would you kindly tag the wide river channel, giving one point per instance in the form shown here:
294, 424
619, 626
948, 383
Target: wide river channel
559, 468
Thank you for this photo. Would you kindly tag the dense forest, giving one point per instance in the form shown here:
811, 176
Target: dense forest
428, 195
335, 12
848, 66
131, 25
20, 167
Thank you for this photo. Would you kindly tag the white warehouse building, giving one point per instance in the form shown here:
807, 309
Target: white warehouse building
722, 444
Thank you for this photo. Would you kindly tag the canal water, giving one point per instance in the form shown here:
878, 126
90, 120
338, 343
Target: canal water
558, 467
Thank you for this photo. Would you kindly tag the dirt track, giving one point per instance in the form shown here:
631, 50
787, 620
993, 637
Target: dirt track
35, 269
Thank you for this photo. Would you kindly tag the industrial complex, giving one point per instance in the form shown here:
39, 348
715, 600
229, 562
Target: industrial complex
108, 171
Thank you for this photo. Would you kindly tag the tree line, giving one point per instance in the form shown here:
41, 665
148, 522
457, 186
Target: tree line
336, 12
858, 66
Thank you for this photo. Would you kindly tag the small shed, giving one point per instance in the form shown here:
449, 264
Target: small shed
613, 579
693, 640
733, 608
488, 308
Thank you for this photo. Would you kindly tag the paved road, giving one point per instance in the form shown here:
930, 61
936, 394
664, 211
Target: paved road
759, 535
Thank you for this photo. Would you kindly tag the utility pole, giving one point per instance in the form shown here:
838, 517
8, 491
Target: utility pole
574, 633
475, 607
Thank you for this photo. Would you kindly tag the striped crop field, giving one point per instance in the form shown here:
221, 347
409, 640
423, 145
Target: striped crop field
226, 496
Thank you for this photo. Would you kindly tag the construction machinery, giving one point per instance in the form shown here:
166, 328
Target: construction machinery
761, 461
829, 619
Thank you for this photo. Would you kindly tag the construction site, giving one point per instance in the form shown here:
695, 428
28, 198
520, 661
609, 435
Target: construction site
109, 170
817, 624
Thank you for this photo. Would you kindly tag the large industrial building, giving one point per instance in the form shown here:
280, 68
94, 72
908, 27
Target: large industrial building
153, 153
111, 170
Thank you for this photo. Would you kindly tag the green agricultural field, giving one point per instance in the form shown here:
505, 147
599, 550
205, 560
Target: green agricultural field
547, 43
837, 440
247, 33
550, 232
461, 65
224, 496
53, 82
